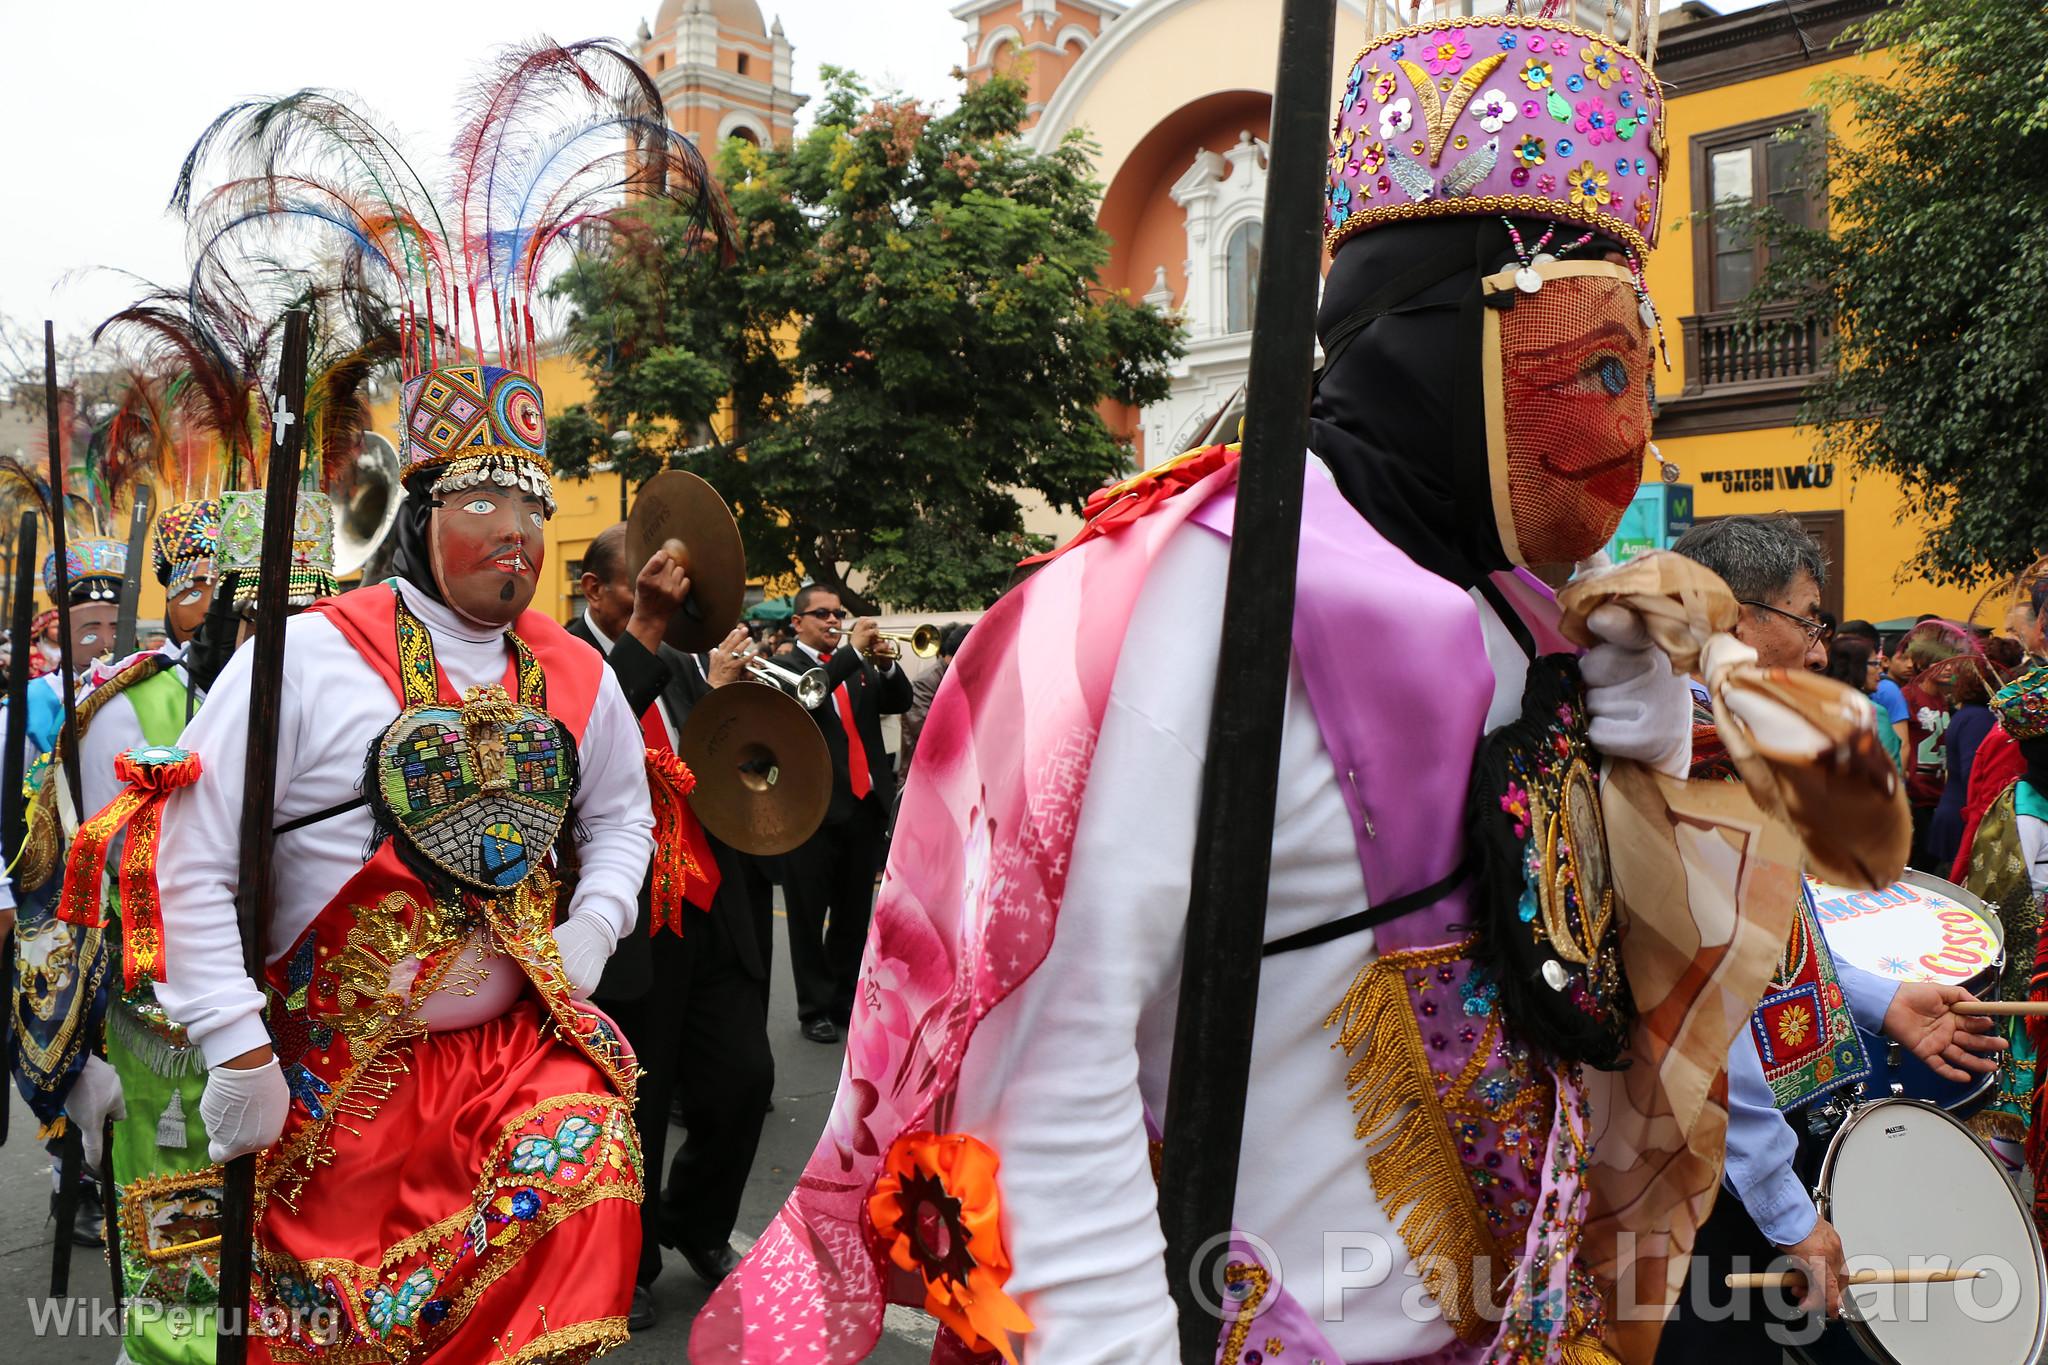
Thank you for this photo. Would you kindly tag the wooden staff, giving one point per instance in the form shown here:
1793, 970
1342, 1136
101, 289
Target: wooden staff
13, 805
70, 1147
2022, 1008
1212, 1038
131, 585
1777, 1279
259, 797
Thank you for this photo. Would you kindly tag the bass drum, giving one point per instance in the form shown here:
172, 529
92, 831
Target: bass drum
1920, 928
1906, 1185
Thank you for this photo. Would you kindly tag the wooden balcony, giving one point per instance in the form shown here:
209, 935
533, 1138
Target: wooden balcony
1743, 374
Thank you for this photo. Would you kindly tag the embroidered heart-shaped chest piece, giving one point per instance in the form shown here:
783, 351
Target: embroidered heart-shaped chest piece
479, 790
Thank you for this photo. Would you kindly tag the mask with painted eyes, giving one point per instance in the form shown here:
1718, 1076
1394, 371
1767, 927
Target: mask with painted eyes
1566, 386
486, 550
185, 608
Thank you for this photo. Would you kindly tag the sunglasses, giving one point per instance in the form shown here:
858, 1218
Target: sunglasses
827, 613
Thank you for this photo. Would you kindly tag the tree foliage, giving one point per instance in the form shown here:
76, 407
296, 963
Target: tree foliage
913, 331
1932, 271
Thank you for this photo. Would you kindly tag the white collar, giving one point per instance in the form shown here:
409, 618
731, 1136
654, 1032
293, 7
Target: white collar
442, 619
604, 641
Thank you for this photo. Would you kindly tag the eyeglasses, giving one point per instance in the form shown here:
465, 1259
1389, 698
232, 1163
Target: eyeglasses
1813, 630
827, 613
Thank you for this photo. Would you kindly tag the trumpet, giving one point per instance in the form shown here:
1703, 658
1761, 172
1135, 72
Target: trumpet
924, 641
808, 687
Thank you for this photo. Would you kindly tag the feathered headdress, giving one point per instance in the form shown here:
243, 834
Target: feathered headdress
558, 148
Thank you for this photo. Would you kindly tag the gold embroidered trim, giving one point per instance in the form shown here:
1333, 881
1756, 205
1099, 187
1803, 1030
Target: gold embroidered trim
1532, 205
573, 1344
140, 1193
1412, 1158
1257, 1276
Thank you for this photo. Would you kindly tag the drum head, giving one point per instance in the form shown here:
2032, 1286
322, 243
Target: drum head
1920, 928
1905, 1185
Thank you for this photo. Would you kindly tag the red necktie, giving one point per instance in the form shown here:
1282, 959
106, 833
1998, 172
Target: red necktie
655, 730
856, 753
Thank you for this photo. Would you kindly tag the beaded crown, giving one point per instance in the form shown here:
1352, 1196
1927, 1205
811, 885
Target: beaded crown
2022, 705
241, 545
1502, 114
476, 420
187, 538
95, 566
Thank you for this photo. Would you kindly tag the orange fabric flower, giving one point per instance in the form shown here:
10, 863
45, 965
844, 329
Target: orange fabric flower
684, 870
938, 1214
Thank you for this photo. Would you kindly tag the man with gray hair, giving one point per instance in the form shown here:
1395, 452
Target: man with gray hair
1776, 570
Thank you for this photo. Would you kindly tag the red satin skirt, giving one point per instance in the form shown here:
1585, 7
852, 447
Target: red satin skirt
484, 1211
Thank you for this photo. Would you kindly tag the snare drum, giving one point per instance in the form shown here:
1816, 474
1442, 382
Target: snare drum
1920, 928
1907, 1185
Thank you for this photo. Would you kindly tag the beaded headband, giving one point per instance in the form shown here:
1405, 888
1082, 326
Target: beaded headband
2022, 705
477, 424
1502, 114
95, 567
241, 546
187, 538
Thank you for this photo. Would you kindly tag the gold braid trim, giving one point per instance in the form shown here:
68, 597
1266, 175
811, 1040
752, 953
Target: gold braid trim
1413, 1160
1585, 1350
573, 1344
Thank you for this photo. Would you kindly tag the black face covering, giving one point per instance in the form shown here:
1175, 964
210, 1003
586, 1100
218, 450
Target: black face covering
2035, 751
1398, 412
409, 555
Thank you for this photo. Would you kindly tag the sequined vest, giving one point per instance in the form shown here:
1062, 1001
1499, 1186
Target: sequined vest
333, 1011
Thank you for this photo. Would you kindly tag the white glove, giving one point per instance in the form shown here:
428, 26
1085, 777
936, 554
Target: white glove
243, 1109
586, 946
95, 1097
1641, 706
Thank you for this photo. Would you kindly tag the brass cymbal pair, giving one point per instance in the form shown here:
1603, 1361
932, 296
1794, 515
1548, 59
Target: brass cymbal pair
764, 777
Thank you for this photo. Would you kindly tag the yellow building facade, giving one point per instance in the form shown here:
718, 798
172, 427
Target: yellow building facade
1727, 408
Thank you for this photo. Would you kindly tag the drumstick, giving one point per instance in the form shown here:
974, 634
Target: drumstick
1773, 1279
2020, 1007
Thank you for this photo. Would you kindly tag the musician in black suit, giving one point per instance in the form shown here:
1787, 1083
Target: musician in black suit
829, 880
692, 1006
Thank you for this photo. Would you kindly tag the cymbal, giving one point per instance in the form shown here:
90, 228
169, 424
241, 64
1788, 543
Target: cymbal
677, 511
764, 777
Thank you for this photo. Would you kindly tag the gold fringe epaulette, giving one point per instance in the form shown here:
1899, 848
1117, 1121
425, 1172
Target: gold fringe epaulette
1412, 1157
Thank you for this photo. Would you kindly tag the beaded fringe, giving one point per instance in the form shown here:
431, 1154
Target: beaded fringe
162, 1056
1413, 1164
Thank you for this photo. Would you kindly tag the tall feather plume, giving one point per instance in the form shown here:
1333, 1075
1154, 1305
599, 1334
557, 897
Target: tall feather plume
134, 442
203, 356
557, 145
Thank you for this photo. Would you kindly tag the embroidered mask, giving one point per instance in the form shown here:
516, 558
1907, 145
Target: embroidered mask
1566, 382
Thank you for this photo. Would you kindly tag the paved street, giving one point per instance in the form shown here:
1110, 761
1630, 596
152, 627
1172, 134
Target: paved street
805, 1074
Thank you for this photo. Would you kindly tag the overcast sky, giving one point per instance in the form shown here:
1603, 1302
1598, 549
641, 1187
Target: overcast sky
102, 98
101, 101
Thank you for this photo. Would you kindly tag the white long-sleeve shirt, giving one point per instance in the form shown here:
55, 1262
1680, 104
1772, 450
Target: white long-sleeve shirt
1064, 1069
334, 704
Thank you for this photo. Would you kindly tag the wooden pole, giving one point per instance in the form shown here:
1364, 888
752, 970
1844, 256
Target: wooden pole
131, 586
259, 796
1212, 1041
70, 1149
13, 805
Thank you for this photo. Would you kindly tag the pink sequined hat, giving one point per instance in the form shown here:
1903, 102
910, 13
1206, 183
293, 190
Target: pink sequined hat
1502, 114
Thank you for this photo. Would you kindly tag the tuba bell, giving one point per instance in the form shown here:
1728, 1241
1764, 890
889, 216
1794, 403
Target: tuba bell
366, 506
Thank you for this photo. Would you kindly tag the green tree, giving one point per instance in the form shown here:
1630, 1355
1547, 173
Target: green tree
913, 331
1932, 270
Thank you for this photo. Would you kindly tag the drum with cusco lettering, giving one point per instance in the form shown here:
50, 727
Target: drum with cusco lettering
1920, 928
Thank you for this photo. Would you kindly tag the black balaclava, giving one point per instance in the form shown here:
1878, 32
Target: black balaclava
2035, 751
410, 558
1398, 413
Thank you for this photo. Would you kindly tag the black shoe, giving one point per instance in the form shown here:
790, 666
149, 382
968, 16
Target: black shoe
641, 1316
89, 1225
712, 1264
820, 1031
